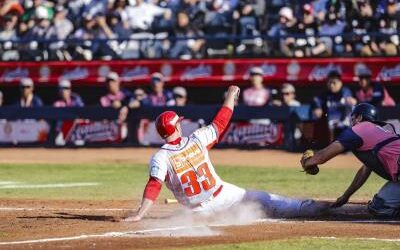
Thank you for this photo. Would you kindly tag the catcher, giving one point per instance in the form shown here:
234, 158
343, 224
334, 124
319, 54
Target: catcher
377, 146
183, 163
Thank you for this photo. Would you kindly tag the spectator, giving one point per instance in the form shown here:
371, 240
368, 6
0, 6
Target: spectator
180, 96
28, 99
362, 22
283, 30
12, 7
1, 99
60, 30
335, 104
184, 48
311, 45
159, 96
257, 95
139, 99
116, 97
119, 10
8, 34
67, 97
40, 9
142, 15
389, 26
331, 31
94, 27
372, 92
289, 95
8, 28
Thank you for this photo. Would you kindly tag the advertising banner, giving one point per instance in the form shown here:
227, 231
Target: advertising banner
207, 72
23, 131
80, 132
255, 132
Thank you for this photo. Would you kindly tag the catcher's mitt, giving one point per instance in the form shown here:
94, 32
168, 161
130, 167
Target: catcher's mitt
313, 169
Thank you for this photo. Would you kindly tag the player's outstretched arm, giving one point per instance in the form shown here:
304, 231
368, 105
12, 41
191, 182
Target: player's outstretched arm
324, 155
150, 194
231, 96
224, 115
359, 179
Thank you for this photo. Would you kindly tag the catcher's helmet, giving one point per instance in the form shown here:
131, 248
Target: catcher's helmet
166, 123
367, 111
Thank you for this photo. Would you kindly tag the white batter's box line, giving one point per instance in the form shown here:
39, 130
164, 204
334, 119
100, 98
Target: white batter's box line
358, 238
51, 185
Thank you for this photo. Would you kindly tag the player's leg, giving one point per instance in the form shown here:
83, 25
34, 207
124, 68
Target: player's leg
229, 197
281, 206
386, 203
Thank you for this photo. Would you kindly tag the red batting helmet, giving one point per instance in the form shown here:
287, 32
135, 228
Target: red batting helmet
166, 123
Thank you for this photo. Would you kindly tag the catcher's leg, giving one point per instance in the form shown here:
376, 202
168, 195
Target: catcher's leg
386, 203
284, 207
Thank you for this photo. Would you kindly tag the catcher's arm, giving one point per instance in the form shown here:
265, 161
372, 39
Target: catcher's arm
359, 179
324, 155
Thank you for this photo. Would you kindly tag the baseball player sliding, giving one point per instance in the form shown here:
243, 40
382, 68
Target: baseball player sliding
183, 163
378, 148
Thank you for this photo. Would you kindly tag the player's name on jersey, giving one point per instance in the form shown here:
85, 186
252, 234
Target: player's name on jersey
190, 157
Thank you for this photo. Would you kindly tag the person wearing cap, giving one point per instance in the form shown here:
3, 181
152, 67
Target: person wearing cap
281, 31
257, 94
184, 165
289, 95
159, 96
139, 99
28, 99
180, 96
116, 97
377, 146
67, 97
372, 92
334, 104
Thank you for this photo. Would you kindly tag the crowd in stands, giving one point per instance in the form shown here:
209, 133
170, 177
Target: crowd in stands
329, 102
102, 29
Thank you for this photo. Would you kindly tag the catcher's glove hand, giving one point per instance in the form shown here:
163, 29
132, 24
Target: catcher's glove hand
313, 169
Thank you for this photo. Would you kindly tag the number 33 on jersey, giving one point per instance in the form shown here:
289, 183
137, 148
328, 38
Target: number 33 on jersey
186, 167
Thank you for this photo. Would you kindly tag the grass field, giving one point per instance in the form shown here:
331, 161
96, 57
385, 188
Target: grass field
307, 243
126, 181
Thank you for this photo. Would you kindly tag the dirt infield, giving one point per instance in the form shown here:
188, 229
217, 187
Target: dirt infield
84, 225
233, 157
94, 224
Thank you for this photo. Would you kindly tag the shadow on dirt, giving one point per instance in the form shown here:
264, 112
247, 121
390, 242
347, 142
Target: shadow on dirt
68, 216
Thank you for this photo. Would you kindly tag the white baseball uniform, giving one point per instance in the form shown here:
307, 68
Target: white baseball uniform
188, 172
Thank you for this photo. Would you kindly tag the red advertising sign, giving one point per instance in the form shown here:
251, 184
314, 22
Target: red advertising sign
207, 72
80, 132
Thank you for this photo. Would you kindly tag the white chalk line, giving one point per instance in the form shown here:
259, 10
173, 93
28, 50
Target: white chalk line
123, 234
142, 233
52, 185
358, 238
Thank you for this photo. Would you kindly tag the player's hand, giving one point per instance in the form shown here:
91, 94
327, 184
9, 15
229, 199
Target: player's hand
131, 217
233, 91
340, 201
135, 218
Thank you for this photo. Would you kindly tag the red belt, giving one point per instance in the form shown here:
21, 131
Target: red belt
215, 194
